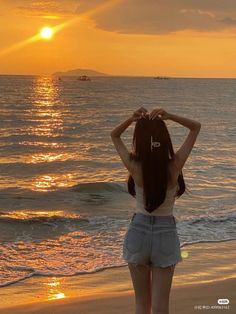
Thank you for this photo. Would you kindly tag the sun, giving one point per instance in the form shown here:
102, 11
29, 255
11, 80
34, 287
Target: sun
46, 32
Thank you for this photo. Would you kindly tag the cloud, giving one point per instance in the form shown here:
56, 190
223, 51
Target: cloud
44, 8
228, 21
164, 16
140, 16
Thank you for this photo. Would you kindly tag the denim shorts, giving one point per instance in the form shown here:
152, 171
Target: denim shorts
152, 240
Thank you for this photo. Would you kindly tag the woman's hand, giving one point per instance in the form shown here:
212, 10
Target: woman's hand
123, 126
159, 113
138, 114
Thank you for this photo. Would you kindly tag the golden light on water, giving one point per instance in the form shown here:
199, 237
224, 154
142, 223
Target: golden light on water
60, 295
45, 182
48, 114
48, 111
29, 214
54, 292
46, 33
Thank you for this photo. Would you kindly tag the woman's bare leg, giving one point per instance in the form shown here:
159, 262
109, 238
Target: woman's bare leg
141, 278
161, 285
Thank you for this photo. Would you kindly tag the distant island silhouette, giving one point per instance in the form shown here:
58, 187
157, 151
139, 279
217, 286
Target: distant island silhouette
80, 72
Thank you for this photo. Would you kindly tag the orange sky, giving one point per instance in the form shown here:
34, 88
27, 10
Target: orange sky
126, 38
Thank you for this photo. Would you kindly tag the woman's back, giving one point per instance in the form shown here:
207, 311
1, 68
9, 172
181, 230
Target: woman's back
167, 207
173, 173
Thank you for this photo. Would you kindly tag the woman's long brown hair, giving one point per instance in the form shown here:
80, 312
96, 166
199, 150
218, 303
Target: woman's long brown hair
154, 162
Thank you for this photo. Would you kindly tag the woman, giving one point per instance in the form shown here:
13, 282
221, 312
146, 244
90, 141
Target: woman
151, 245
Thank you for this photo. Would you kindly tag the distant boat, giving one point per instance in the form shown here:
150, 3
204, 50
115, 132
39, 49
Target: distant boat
84, 78
161, 78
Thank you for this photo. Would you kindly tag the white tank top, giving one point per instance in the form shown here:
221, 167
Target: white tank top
166, 208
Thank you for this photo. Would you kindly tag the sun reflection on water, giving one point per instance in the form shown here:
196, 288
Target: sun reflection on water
51, 182
47, 115
54, 292
46, 109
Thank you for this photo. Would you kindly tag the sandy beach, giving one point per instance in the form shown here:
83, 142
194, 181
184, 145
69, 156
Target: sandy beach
207, 273
183, 300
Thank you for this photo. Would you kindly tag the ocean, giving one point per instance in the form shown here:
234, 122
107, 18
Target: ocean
64, 205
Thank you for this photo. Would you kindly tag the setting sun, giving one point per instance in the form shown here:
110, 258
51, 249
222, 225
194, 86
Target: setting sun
46, 33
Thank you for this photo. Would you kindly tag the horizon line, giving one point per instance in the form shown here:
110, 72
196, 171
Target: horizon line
124, 75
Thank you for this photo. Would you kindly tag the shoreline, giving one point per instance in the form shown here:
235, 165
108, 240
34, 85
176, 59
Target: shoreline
216, 270
185, 245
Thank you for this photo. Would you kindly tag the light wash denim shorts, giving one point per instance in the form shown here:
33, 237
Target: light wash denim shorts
152, 241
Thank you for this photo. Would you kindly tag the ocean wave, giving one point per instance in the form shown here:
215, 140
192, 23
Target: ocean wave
34, 272
52, 220
39, 228
206, 241
90, 187
99, 187
211, 220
